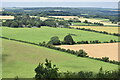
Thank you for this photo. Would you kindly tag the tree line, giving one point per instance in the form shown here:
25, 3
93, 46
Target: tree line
27, 21
68, 40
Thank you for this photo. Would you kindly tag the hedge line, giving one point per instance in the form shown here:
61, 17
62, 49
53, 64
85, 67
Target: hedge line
103, 32
80, 53
93, 42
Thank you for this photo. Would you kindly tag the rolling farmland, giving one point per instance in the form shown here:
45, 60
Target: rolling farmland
101, 20
23, 58
87, 38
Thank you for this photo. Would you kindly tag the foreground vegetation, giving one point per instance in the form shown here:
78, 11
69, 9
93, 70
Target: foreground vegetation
48, 71
20, 55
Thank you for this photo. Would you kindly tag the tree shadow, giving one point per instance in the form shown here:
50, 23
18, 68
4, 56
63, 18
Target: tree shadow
3, 56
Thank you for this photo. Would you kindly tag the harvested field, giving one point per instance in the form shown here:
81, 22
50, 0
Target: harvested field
65, 17
100, 28
6, 17
42, 18
104, 21
97, 50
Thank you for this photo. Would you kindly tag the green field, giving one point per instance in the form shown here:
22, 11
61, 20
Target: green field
20, 59
82, 24
45, 33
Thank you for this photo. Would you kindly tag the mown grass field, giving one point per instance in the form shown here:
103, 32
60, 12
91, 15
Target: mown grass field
82, 24
100, 28
45, 33
20, 59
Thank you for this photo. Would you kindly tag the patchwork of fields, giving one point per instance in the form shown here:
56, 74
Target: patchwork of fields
100, 28
97, 50
20, 59
45, 33
101, 20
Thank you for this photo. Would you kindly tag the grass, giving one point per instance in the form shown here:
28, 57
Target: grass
45, 33
20, 59
82, 24
100, 28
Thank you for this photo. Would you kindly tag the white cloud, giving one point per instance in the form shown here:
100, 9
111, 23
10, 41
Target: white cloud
59, 0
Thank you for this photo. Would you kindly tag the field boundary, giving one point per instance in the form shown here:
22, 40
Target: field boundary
62, 50
102, 32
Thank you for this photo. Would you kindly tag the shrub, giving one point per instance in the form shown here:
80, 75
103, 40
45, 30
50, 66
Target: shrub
46, 70
81, 53
69, 40
106, 59
54, 41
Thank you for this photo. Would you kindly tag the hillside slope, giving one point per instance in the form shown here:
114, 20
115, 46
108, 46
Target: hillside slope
20, 59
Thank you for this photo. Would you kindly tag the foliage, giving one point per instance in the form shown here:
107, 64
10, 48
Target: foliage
54, 41
106, 59
46, 70
81, 53
69, 40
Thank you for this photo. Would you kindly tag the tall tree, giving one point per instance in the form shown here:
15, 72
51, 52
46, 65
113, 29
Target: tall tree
69, 40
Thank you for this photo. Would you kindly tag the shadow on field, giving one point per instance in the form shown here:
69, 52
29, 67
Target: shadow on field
4, 57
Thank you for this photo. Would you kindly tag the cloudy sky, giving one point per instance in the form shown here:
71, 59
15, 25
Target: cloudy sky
59, 0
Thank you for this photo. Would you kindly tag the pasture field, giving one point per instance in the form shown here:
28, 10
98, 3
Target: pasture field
100, 28
6, 17
45, 33
97, 50
20, 59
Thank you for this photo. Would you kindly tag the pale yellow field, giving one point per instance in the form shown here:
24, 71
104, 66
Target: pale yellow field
42, 18
97, 50
104, 21
65, 17
100, 28
6, 17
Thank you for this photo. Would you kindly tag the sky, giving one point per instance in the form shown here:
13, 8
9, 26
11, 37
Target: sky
60, 0
60, 3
